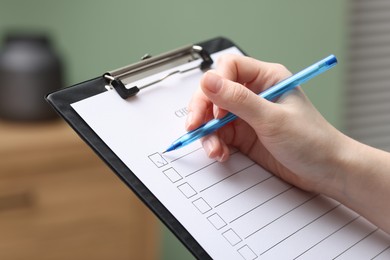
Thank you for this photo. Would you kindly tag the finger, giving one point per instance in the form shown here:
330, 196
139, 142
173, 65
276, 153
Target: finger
215, 147
198, 110
225, 153
236, 98
254, 74
212, 146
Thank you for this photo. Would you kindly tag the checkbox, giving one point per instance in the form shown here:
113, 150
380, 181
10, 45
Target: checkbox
201, 205
247, 253
217, 221
172, 175
232, 237
187, 190
158, 160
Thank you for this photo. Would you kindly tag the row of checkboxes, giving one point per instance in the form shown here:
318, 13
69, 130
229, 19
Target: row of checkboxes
230, 235
188, 191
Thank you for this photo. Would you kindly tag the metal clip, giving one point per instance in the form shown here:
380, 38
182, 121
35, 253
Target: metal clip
152, 65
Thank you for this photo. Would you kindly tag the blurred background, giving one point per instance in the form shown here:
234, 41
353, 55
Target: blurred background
57, 199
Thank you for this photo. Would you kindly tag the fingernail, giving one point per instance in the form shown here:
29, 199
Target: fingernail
214, 82
207, 146
220, 158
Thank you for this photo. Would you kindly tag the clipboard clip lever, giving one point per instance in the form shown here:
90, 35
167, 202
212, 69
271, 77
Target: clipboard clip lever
119, 78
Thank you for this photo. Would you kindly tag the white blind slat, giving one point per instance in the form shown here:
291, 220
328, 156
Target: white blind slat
368, 75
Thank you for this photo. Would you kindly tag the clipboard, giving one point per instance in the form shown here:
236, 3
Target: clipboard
61, 100
294, 224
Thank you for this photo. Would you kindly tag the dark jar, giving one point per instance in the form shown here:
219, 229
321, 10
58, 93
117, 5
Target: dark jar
29, 69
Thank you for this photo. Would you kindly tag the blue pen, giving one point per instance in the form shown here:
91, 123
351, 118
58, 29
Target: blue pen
270, 94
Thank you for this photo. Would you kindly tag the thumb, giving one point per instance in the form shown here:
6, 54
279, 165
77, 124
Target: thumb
235, 98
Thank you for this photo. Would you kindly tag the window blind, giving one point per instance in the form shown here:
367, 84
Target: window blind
368, 73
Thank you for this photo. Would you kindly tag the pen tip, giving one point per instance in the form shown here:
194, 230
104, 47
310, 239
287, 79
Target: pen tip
173, 147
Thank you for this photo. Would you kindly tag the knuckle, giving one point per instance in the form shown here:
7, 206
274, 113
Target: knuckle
226, 59
278, 72
279, 67
238, 94
226, 65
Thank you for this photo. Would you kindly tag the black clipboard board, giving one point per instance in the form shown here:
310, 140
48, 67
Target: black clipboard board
61, 101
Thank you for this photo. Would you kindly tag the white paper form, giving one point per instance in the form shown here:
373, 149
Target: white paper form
235, 209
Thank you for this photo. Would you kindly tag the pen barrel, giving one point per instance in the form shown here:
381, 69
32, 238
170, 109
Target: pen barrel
207, 129
299, 78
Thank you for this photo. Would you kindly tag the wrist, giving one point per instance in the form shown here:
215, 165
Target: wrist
341, 158
355, 170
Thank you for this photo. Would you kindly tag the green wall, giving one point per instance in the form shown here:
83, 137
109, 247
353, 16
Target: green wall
94, 36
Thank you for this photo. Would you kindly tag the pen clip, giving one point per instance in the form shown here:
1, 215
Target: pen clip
149, 66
